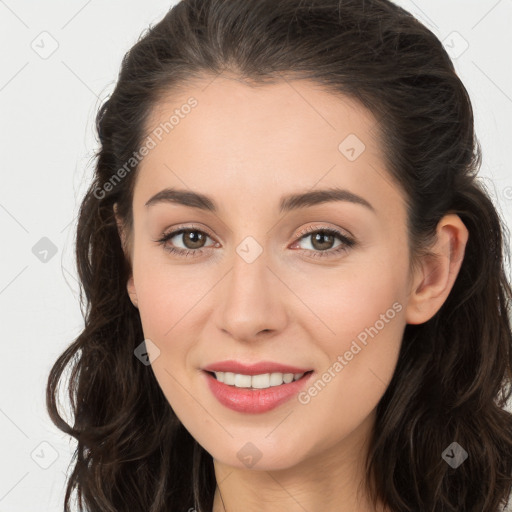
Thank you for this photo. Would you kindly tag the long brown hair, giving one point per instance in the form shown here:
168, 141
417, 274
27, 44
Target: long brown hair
451, 380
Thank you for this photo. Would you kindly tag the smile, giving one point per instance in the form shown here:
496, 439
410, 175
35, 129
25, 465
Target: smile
245, 396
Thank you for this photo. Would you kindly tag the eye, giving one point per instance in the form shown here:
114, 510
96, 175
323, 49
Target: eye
322, 240
192, 239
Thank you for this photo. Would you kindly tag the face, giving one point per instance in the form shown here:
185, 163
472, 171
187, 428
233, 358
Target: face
318, 284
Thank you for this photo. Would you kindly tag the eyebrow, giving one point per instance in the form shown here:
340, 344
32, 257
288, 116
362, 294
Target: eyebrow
287, 203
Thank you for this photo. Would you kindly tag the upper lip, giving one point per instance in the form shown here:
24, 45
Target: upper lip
253, 369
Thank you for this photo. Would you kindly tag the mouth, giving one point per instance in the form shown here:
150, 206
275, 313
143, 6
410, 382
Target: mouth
256, 393
259, 381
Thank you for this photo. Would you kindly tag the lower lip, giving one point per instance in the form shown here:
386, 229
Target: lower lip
254, 400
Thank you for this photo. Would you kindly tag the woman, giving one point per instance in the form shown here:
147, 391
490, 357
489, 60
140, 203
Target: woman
294, 284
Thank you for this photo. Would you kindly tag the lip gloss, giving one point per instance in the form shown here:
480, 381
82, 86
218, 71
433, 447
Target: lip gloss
254, 401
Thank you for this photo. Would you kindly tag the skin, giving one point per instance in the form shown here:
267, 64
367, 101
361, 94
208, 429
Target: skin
246, 147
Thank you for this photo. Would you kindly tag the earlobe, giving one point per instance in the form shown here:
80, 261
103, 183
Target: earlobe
436, 275
130, 287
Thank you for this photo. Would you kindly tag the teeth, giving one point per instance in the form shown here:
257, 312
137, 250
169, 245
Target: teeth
262, 381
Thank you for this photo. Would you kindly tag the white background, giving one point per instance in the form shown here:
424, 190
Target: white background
47, 110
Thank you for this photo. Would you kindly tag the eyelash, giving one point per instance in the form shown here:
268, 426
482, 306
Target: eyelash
346, 244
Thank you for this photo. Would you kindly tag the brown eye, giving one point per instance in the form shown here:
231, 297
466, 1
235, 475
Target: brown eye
192, 238
323, 242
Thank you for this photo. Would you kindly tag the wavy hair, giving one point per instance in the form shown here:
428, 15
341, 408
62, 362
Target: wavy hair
452, 379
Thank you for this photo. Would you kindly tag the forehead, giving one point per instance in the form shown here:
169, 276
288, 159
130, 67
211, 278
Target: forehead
288, 111
287, 135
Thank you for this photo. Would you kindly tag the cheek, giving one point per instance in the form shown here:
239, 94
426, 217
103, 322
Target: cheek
364, 320
348, 301
167, 304
173, 306
359, 361
166, 291
166, 301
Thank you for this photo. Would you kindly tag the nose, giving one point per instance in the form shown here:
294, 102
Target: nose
252, 300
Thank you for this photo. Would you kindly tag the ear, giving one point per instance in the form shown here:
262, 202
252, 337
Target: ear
434, 279
130, 285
